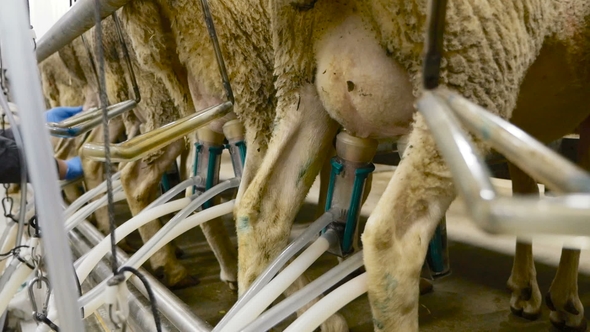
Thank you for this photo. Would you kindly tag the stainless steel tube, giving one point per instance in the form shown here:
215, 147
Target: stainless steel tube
563, 215
89, 122
18, 52
178, 313
139, 146
470, 175
517, 146
79, 19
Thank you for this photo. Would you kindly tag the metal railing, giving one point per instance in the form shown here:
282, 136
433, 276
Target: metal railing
568, 214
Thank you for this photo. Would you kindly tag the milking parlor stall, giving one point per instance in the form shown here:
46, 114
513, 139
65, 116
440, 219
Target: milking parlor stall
307, 165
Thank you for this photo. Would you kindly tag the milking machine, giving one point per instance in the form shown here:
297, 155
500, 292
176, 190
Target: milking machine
339, 230
339, 235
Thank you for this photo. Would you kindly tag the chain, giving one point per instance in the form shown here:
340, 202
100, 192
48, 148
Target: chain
7, 201
105, 129
3, 79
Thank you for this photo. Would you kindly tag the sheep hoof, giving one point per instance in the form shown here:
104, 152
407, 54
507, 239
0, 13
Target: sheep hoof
526, 315
233, 285
526, 299
336, 323
179, 253
184, 282
426, 286
561, 326
126, 247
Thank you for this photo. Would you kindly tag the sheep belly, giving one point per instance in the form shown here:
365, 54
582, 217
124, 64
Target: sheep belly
360, 86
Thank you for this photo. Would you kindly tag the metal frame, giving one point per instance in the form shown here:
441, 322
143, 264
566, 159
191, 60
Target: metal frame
505, 215
19, 51
445, 111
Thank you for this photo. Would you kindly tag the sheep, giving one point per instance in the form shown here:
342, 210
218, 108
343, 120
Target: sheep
243, 29
176, 49
54, 75
361, 62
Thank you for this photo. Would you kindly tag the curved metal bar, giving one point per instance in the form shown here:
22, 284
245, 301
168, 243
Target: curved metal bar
88, 121
564, 215
139, 146
517, 146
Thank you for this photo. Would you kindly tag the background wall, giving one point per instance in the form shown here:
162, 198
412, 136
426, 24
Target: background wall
44, 13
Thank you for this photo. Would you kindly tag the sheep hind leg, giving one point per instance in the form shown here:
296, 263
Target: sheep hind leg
269, 204
526, 297
567, 312
141, 181
399, 229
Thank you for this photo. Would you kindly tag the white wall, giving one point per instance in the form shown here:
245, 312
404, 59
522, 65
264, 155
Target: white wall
44, 13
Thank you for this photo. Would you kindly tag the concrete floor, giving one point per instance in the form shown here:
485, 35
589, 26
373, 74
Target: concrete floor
473, 298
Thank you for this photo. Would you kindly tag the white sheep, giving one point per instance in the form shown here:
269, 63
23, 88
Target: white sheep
361, 61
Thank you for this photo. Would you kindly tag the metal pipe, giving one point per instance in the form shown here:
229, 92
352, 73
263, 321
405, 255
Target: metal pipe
18, 51
470, 176
76, 21
177, 312
529, 216
139, 146
88, 121
499, 215
139, 316
517, 146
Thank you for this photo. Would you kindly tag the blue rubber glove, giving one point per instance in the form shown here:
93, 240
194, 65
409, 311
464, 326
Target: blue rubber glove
74, 168
59, 114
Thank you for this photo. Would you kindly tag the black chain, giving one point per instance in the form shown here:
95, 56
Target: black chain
42, 318
7, 204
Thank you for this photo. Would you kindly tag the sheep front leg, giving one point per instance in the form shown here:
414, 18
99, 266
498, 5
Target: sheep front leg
296, 152
399, 230
526, 298
567, 312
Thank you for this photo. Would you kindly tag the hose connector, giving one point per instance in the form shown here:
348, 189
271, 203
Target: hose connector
350, 170
235, 133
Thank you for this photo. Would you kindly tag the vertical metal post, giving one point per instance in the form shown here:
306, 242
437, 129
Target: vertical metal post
25, 82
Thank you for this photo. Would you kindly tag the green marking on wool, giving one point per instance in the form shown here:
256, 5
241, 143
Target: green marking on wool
243, 223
